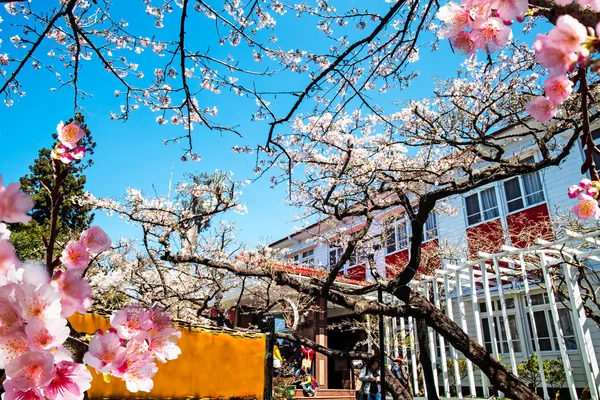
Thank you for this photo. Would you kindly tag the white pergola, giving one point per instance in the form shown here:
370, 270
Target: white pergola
475, 282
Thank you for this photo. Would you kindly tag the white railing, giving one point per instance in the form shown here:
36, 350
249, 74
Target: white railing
483, 282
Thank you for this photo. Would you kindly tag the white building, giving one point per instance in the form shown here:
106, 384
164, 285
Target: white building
557, 330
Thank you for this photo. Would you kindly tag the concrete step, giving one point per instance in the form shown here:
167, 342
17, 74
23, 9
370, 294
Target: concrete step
329, 394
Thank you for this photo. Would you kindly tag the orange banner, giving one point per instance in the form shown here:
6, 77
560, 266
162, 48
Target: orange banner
212, 364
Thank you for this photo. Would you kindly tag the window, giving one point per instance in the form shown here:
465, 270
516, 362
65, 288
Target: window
396, 237
430, 231
306, 257
482, 206
523, 191
334, 256
500, 327
359, 256
500, 331
544, 324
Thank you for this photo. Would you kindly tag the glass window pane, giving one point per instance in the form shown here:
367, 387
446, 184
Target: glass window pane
532, 185
431, 227
566, 324
489, 204
402, 235
512, 189
542, 331
514, 333
390, 239
473, 212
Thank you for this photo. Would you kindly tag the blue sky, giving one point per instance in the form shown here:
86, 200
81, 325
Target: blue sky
132, 153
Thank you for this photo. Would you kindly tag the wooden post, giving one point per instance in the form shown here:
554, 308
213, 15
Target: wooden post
268, 327
381, 346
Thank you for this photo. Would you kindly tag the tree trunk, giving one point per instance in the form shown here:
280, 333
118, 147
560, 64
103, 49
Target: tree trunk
396, 388
501, 379
425, 358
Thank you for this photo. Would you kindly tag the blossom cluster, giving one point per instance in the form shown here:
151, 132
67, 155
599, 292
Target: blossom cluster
69, 136
484, 24
128, 350
565, 45
33, 325
587, 193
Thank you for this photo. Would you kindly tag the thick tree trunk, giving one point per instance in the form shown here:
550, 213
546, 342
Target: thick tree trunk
396, 388
501, 379
425, 358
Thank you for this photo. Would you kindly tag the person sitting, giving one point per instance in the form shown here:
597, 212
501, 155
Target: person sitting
397, 370
308, 384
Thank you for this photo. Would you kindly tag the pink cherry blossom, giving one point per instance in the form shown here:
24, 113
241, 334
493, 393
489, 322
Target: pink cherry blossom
78, 153
70, 381
160, 320
593, 192
479, 10
8, 256
95, 239
31, 369
131, 322
556, 59
541, 108
13, 393
586, 207
510, 9
4, 232
75, 256
66, 158
568, 34
163, 345
105, 352
138, 376
586, 184
574, 191
455, 19
464, 43
75, 292
45, 335
10, 319
491, 34
69, 135
12, 345
558, 88
14, 205
41, 302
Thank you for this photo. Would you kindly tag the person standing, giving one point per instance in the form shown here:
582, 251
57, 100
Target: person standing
308, 354
369, 376
277, 361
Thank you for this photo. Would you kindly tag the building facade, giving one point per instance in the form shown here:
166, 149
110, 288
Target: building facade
511, 320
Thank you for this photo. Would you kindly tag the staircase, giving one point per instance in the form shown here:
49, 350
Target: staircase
329, 394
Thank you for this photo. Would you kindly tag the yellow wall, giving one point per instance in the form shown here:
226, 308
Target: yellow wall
211, 364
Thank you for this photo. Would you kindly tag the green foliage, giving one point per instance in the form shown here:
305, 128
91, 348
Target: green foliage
28, 239
554, 372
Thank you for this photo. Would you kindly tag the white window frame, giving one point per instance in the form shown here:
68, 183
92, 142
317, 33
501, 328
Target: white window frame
338, 254
523, 194
426, 236
481, 210
394, 227
305, 256
500, 327
553, 338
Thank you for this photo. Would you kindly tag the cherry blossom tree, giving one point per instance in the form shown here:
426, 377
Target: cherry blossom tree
40, 352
